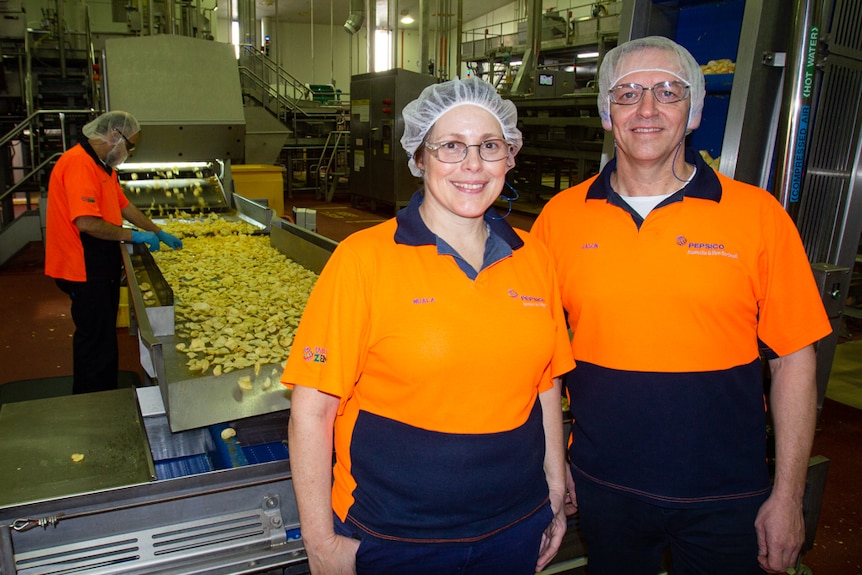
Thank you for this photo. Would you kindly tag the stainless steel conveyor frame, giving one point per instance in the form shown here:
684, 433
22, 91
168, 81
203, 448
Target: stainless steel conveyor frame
195, 401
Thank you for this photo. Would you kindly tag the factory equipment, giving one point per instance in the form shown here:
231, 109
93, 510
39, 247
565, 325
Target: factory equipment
379, 171
216, 506
189, 475
184, 92
160, 189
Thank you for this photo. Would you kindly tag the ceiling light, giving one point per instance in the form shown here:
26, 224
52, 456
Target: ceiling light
585, 55
406, 18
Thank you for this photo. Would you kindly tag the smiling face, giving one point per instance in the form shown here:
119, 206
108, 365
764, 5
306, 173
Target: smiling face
649, 131
467, 188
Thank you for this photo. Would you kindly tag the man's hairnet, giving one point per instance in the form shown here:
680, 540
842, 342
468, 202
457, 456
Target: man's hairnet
106, 126
421, 114
619, 62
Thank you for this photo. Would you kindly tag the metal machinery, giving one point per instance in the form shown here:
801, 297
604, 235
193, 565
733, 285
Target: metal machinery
292, 122
46, 94
160, 488
379, 171
546, 64
144, 480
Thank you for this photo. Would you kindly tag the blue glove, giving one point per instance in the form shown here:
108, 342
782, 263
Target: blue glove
173, 241
148, 238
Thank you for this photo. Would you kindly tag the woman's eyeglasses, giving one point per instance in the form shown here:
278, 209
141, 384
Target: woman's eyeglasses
454, 152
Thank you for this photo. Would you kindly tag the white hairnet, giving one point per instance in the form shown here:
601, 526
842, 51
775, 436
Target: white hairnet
421, 114
617, 64
103, 128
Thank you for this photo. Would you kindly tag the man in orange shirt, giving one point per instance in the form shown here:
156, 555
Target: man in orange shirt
85, 213
672, 276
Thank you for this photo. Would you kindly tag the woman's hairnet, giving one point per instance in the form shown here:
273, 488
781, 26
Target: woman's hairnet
618, 63
106, 126
421, 114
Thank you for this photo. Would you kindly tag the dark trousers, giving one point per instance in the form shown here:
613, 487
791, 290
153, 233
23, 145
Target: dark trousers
626, 535
94, 345
512, 551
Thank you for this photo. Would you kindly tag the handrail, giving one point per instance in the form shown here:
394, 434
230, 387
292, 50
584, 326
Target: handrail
28, 120
596, 10
27, 177
281, 100
282, 75
28, 123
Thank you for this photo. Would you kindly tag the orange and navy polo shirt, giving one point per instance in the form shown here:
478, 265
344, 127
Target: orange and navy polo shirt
82, 185
439, 432
667, 316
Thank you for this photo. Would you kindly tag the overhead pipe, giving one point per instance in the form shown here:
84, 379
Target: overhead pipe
795, 122
356, 17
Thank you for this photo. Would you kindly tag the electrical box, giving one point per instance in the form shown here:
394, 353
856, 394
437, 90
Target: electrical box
553, 83
378, 163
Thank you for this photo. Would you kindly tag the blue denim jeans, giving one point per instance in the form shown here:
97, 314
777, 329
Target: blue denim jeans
513, 551
626, 535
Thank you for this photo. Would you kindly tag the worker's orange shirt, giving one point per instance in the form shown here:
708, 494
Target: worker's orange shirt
438, 376
80, 185
668, 316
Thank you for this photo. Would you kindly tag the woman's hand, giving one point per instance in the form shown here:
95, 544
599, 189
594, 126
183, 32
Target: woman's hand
334, 556
553, 535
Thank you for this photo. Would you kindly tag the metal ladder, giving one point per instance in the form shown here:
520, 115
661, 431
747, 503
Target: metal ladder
332, 165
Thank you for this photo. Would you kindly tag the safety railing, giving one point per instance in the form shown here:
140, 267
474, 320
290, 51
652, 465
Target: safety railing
580, 22
332, 165
40, 154
272, 74
268, 95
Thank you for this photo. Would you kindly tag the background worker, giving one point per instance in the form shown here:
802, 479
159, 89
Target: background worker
449, 455
84, 226
671, 275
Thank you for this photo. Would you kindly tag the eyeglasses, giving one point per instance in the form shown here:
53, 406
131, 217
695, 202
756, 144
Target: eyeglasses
664, 92
130, 147
454, 152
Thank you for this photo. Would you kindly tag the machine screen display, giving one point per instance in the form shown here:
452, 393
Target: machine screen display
546, 80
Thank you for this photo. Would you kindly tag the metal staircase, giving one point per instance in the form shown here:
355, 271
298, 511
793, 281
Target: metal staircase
332, 168
318, 122
266, 83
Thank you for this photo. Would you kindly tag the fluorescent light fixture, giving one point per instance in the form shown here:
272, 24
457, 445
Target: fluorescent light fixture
515, 63
586, 55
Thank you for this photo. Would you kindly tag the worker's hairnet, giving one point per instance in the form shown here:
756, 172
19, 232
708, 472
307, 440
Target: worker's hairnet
106, 126
619, 62
421, 114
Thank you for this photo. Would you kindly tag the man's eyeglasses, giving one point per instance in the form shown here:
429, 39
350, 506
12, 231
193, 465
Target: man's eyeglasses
454, 152
664, 92
130, 147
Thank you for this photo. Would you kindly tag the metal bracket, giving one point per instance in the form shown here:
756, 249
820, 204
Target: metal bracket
774, 59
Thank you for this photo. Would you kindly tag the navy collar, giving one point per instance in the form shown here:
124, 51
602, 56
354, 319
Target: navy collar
412, 231
85, 143
704, 185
